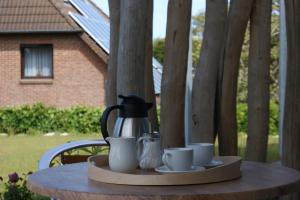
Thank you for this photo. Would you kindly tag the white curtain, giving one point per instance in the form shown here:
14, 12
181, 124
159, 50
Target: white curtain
38, 61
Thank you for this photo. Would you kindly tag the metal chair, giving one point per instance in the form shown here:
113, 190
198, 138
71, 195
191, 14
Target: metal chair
51, 154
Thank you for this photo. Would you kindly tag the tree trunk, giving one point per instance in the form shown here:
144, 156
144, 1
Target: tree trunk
132, 45
149, 85
174, 73
205, 81
111, 82
258, 80
239, 13
291, 123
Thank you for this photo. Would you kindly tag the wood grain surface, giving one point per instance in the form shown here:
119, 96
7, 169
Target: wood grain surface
258, 181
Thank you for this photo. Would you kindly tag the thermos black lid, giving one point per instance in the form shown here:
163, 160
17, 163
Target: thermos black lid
133, 106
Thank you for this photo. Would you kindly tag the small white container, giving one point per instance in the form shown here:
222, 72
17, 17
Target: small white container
122, 154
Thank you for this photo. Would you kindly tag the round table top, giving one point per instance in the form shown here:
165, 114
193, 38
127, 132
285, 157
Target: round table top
258, 181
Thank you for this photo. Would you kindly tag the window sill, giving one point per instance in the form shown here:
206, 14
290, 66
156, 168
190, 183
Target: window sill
36, 81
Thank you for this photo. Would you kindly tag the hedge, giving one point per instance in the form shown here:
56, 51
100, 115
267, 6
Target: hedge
242, 112
41, 119
81, 119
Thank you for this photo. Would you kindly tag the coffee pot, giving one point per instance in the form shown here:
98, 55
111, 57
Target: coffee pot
132, 120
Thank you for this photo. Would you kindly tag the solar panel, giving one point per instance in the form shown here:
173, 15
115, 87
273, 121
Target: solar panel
157, 75
157, 65
85, 9
98, 28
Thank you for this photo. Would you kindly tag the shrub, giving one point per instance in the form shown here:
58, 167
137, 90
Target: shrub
274, 119
242, 118
15, 189
39, 118
81, 119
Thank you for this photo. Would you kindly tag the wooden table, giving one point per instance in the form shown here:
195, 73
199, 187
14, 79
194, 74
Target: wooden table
258, 181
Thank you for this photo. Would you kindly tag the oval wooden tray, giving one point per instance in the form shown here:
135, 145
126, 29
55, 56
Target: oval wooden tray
98, 170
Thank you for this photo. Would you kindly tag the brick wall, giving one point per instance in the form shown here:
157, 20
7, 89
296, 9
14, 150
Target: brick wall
78, 73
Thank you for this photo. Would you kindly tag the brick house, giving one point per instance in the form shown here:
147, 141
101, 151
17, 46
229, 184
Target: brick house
45, 56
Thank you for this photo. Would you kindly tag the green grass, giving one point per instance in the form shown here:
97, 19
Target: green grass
273, 147
21, 153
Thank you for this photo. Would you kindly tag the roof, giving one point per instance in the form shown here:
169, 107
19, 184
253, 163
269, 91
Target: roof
96, 24
29, 16
42, 16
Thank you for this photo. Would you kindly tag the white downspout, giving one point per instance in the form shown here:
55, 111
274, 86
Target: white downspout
188, 92
282, 71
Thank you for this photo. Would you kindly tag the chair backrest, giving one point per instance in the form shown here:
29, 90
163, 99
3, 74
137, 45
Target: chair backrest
48, 157
69, 159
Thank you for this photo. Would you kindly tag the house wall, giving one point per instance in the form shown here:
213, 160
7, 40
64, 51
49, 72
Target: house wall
79, 74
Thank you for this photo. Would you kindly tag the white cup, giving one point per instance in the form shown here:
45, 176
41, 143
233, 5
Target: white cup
203, 153
178, 159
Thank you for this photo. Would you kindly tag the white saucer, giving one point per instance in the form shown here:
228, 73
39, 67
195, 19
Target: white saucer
214, 163
165, 169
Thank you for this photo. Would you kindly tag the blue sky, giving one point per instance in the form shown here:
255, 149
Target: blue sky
160, 13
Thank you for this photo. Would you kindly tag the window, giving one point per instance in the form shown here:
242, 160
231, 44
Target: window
37, 61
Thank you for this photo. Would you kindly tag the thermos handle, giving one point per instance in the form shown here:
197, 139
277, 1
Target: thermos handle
104, 118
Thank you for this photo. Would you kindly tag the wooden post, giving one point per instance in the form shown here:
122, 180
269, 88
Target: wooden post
174, 73
149, 85
258, 80
132, 45
238, 17
111, 82
206, 77
291, 122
